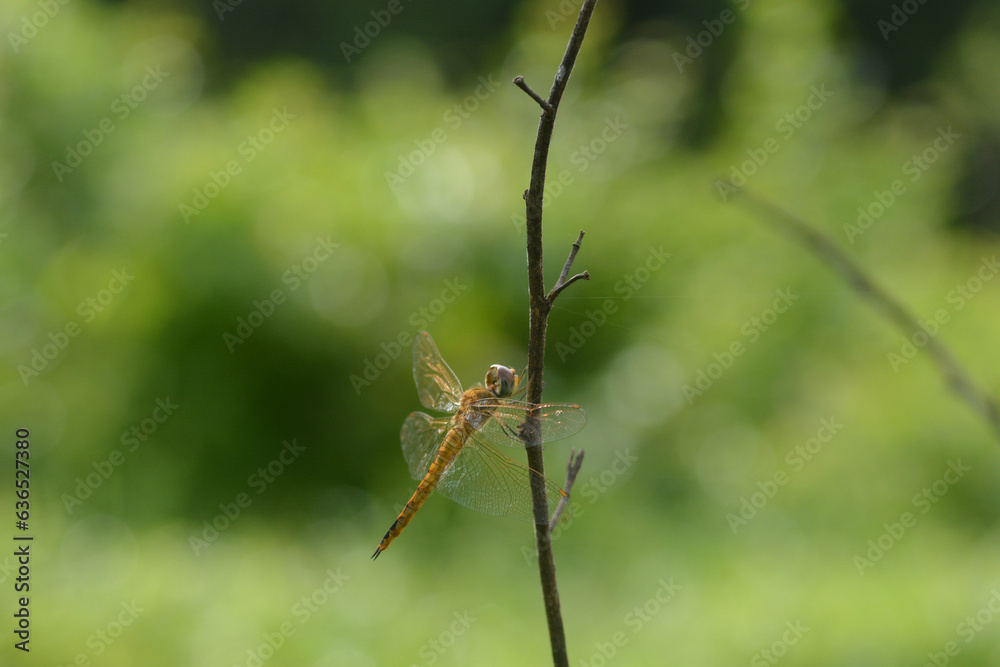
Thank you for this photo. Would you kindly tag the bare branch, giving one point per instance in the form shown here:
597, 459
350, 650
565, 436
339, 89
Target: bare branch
539, 307
848, 269
572, 468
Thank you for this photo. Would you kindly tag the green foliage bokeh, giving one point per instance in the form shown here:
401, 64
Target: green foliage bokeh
281, 203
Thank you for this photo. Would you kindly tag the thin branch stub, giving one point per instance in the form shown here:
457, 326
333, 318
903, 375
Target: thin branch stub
562, 283
572, 468
519, 82
557, 290
569, 260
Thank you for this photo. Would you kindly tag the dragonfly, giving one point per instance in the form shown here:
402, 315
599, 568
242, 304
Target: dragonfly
461, 456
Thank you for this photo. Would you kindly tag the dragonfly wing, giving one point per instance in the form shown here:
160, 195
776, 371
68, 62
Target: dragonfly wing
558, 421
421, 437
482, 479
437, 385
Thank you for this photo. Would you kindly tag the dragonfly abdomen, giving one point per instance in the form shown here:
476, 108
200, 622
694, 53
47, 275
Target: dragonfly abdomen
449, 449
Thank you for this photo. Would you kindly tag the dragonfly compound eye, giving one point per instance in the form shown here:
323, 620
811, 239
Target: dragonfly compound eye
500, 380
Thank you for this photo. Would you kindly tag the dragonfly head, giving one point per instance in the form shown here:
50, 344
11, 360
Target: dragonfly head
501, 380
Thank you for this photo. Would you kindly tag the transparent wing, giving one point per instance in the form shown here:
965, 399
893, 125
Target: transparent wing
558, 420
437, 385
421, 437
482, 479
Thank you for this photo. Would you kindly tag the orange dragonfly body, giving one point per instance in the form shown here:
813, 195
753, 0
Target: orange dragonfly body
459, 456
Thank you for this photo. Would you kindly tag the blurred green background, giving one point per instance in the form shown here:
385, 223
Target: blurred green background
218, 217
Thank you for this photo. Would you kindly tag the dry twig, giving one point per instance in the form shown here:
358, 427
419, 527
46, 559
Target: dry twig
842, 264
540, 304
572, 468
